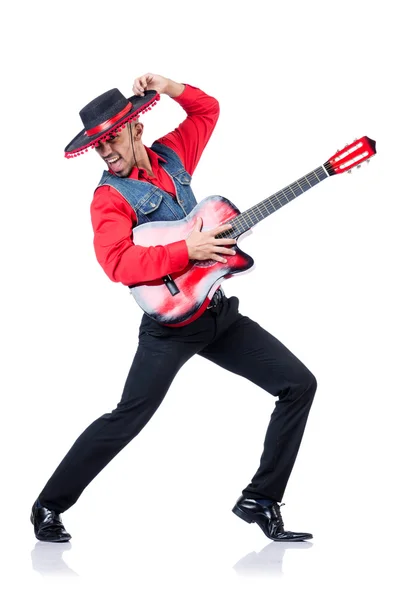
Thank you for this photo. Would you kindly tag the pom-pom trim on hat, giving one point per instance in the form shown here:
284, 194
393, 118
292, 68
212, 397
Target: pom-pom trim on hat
106, 136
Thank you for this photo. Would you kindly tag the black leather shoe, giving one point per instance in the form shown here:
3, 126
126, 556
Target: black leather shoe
48, 525
269, 520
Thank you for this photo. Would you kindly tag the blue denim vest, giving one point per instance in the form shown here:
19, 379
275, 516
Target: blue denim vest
151, 203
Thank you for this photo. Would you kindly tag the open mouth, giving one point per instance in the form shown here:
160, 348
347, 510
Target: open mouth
115, 163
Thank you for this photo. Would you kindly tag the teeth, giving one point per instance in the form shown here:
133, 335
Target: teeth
113, 160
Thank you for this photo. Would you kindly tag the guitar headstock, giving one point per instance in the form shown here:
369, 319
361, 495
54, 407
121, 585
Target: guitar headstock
351, 156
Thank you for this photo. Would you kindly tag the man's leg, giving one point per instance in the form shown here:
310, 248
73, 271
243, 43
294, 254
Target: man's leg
245, 348
155, 365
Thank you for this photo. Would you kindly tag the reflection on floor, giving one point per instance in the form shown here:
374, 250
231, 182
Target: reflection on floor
47, 559
269, 561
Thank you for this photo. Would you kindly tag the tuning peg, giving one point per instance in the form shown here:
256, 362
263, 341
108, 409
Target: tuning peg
349, 171
368, 159
358, 166
338, 150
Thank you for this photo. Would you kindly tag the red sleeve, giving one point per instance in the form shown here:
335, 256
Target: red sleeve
112, 221
192, 135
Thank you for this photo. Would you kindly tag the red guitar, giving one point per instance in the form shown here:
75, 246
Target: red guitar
182, 297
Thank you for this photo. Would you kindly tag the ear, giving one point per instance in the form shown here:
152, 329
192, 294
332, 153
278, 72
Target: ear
138, 131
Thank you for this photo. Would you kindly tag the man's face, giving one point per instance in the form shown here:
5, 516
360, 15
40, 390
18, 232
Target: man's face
117, 152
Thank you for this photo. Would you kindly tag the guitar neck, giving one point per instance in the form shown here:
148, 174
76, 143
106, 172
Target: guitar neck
247, 219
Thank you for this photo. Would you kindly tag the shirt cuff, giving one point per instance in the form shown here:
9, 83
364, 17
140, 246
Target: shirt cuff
179, 256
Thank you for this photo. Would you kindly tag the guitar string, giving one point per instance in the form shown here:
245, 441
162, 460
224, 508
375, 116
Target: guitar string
300, 186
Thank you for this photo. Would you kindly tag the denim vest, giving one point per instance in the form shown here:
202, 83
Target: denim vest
151, 203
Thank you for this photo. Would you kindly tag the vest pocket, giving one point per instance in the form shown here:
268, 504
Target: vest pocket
183, 177
150, 204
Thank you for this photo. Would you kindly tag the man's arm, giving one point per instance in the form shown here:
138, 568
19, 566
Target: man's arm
191, 137
123, 261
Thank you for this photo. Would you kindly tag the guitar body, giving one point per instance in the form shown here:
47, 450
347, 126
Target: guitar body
199, 280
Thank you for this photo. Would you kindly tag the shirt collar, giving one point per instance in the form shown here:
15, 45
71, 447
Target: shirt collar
154, 158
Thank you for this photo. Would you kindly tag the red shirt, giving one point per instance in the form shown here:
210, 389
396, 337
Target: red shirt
113, 218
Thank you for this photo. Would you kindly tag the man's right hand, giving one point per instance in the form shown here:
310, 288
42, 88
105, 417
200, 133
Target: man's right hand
161, 84
205, 246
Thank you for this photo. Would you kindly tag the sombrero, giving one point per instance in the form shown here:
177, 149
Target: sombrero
107, 114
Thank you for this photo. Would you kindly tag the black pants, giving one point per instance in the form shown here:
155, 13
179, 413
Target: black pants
230, 340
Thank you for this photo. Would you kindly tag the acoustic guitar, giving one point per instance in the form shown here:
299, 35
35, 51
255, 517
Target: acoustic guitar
179, 298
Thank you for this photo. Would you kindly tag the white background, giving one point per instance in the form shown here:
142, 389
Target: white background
296, 81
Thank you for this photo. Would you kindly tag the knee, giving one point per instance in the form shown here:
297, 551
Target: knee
308, 383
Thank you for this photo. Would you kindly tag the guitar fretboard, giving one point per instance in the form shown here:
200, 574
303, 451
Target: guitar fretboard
247, 219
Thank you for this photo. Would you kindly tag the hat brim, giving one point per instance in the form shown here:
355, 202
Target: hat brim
140, 104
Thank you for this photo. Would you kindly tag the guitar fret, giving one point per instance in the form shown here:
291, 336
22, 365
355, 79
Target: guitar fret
303, 184
287, 191
274, 208
249, 216
292, 190
244, 219
278, 199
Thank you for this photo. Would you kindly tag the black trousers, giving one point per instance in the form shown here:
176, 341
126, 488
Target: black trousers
230, 340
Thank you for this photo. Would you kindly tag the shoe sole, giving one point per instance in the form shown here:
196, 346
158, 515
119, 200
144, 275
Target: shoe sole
251, 519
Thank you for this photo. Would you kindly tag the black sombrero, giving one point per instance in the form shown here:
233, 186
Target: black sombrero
107, 114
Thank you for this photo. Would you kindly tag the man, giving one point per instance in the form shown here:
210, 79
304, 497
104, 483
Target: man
153, 184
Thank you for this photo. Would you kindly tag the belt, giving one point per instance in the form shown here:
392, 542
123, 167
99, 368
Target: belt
217, 298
